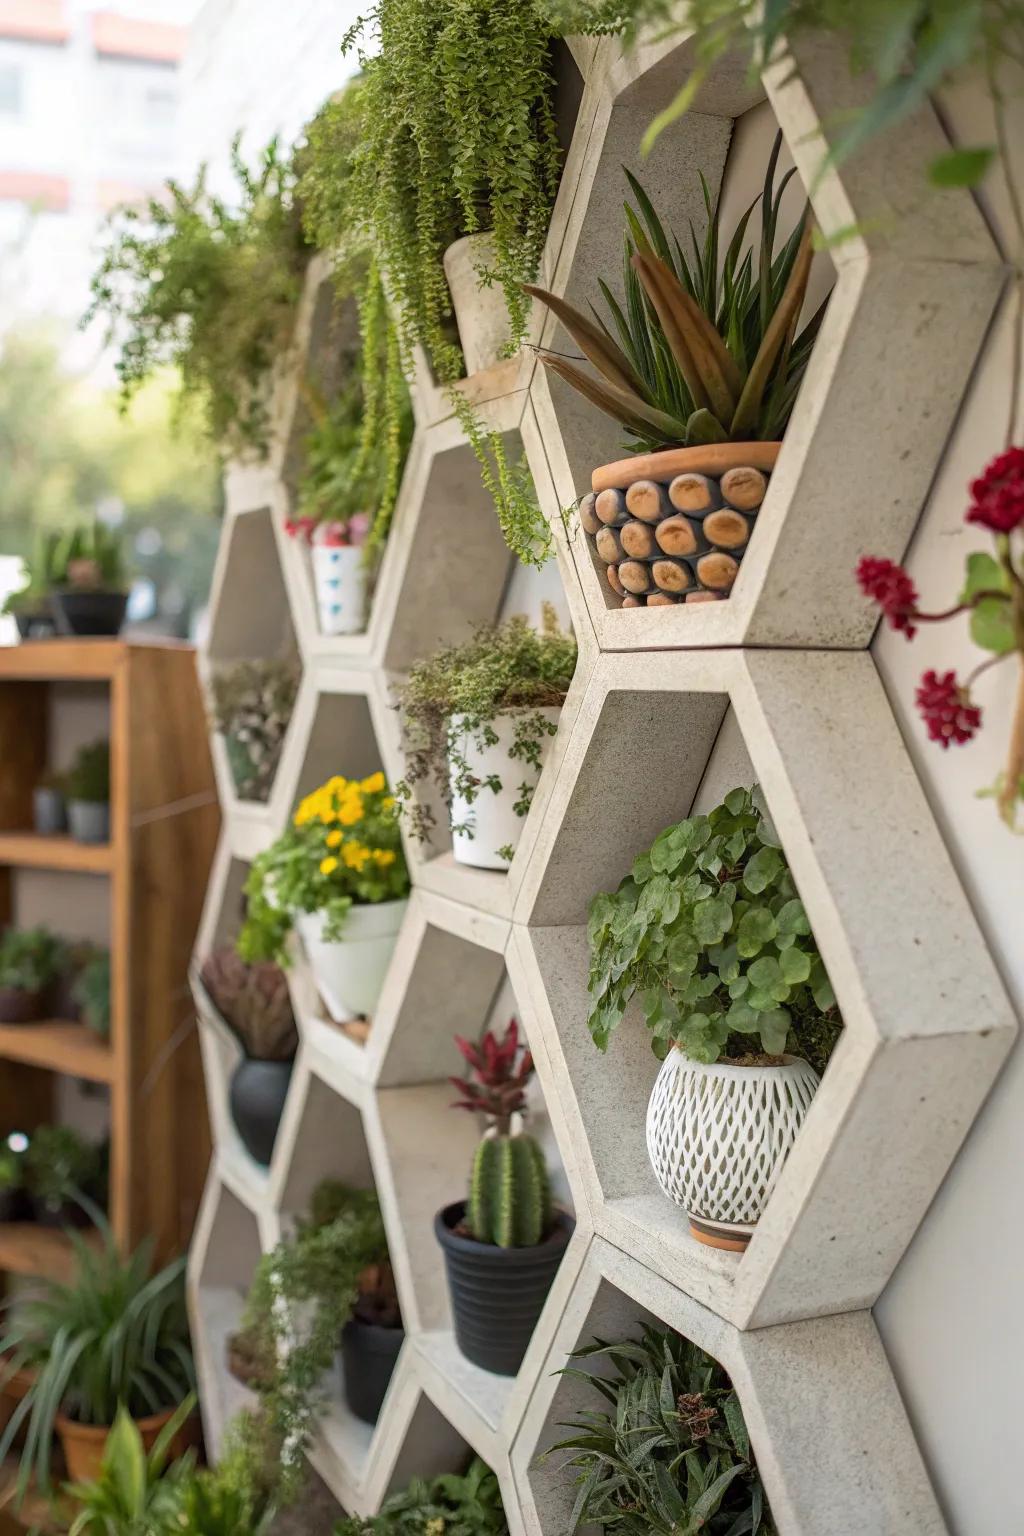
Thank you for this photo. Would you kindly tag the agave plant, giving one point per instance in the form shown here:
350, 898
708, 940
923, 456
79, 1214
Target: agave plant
696, 354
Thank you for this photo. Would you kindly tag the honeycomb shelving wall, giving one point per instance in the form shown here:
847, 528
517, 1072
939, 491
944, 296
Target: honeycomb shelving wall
668, 710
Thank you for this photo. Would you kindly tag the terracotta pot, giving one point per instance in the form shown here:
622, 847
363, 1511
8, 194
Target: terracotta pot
672, 527
11, 1394
17, 1006
83, 1444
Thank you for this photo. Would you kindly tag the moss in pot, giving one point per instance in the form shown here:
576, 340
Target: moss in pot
30, 965
504, 1243
254, 1002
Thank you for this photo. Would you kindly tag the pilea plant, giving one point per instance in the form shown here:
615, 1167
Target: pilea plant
509, 1192
671, 1453
453, 1504
251, 704
709, 931
456, 695
209, 288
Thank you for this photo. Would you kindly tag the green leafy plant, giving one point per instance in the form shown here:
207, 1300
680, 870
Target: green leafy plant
88, 777
30, 958
136, 1494
209, 288
509, 1201
61, 1166
115, 1336
43, 572
12, 1169
302, 1294
671, 1453
343, 848
254, 1002
466, 1504
251, 704
709, 930
89, 558
700, 351
454, 697
91, 991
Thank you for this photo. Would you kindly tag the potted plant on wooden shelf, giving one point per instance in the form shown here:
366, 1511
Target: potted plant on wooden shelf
116, 1336
702, 368
29, 605
253, 1002
30, 963
91, 993
64, 1175
478, 719
461, 1503
88, 794
251, 706
89, 595
338, 876
697, 1471
504, 1243
49, 807
709, 931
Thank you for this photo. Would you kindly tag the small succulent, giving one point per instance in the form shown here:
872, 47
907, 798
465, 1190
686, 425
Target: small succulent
88, 778
30, 958
254, 1002
509, 1201
251, 704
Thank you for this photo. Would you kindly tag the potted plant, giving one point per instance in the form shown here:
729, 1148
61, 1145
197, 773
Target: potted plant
371, 1341
92, 993
135, 1492
254, 1003
338, 876
116, 1336
702, 369
503, 1244
49, 810
60, 1168
697, 1471
251, 705
709, 931
88, 794
461, 1504
30, 604
89, 595
14, 1201
478, 718
30, 962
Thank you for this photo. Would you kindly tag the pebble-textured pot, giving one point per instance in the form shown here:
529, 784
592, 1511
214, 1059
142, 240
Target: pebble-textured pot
497, 1293
88, 613
480, 313
369, 1354
49, 811
17, 1006
672, 527
257, 1095
89, 821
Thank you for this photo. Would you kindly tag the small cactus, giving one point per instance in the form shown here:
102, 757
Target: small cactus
509, 1201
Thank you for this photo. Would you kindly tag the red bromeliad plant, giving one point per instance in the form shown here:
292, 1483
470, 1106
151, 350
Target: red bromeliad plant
993, 595
500, 1076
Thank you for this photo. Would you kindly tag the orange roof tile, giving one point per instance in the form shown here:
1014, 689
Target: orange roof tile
127, 37
38, 21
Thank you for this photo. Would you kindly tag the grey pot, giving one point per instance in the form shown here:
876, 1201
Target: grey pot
89, 821
49, 811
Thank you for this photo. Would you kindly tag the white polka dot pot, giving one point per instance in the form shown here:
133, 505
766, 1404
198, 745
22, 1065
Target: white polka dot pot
718, 1136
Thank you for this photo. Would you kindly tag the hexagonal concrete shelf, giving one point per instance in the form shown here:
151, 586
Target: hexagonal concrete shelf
883, 385
927, 1021
829, 1432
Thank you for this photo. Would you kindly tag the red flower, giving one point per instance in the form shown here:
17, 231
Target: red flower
997, 496
888, 584
946, 708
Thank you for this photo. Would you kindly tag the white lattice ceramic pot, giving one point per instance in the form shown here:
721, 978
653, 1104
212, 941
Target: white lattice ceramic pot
718, 1135
490, 820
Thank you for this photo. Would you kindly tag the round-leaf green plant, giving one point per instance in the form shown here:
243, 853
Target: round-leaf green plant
709, 931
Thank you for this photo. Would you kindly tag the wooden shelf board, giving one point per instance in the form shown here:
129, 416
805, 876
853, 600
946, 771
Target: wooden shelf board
26, 1248
81, 657
59, 1046
31, 851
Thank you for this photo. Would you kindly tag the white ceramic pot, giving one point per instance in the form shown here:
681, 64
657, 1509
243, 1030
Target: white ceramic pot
718, 1135
349, 972
339, 579
491, 816
480, 313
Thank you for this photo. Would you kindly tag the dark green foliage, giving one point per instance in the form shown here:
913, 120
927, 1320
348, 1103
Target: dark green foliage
449, 1505
30, 958
89, 775
509, 1193
670, 1454
710, 932
60, 1166
92, 993
251, 703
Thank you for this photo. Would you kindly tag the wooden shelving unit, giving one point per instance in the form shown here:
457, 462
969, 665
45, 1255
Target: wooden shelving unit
149, 879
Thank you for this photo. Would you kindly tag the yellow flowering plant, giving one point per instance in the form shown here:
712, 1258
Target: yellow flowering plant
342, 849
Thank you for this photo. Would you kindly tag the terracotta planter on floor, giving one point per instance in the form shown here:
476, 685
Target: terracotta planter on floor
672, 527
83, 1444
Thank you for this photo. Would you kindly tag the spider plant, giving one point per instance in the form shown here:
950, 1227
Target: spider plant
115, 1336
698, 352
134, 1495
671, 1454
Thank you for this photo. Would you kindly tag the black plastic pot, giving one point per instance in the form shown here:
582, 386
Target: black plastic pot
88, 613
369, 1353
258, 1092
497, 1293
35, 624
